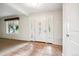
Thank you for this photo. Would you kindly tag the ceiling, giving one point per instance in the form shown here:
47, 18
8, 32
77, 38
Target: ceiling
7, 9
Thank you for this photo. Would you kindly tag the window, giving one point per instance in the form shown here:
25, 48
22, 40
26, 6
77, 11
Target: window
12, 26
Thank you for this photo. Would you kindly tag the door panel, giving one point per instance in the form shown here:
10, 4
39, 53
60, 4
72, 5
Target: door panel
71, 27
41, 28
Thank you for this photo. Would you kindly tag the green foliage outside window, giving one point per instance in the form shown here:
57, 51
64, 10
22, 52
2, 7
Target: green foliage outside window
13, 28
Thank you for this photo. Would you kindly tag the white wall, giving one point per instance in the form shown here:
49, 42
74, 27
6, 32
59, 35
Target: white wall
23, 32
55, 19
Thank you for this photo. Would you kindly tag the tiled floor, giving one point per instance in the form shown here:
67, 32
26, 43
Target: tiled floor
22, 48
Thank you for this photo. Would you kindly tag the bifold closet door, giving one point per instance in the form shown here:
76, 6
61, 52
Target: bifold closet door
41, 28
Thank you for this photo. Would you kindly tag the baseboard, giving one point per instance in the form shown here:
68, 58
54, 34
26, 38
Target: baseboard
30, 41
12, 39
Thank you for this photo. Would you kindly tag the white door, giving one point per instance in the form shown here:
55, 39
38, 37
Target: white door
71, 29
41, 28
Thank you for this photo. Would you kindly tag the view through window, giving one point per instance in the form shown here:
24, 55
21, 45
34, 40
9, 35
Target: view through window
12, 26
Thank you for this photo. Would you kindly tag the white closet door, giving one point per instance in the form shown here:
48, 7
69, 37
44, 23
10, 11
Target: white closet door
32, 29
50, 29
41, 28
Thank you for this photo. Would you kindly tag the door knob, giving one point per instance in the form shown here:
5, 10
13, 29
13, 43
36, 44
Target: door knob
67, 35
